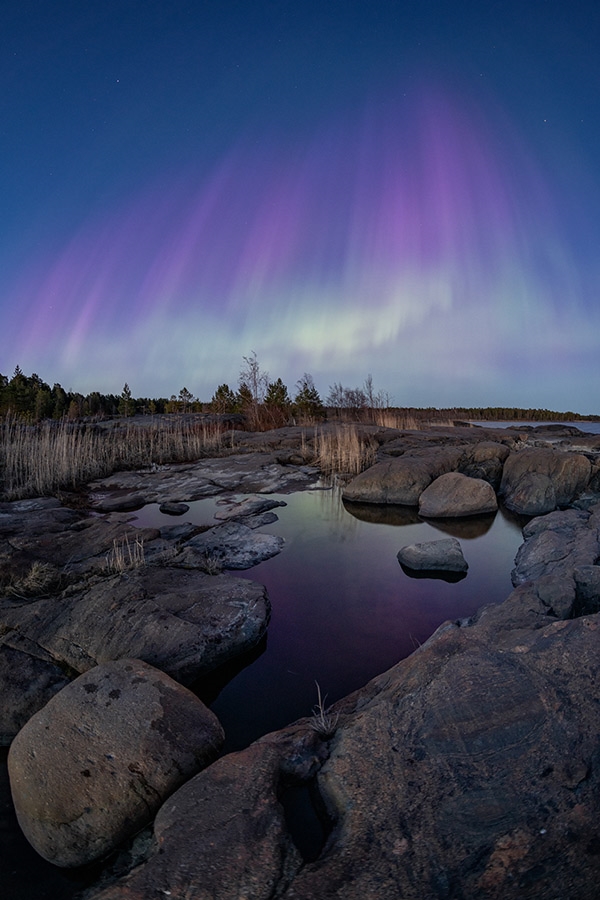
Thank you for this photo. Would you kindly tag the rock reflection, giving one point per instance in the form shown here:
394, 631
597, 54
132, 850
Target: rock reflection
388, 514
468, 527
436, 574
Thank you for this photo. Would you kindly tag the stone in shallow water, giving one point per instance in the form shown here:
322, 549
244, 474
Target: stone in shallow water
436, 556
173, 509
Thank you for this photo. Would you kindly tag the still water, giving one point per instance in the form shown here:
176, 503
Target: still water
586, 427
343, 608
343, 612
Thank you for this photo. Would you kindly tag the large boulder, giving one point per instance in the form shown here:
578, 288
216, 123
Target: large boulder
538, 480
96, 763
434, 556
401, 480
454, 494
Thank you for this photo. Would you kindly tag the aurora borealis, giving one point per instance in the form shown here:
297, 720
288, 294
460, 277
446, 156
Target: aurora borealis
344, 188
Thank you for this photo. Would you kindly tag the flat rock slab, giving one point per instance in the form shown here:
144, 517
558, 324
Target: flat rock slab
236, 508
173, 509
94, 765
185, 623
457, 495
245, 472
435, 556
232, 546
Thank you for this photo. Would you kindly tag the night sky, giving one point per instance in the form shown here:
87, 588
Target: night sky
407, 189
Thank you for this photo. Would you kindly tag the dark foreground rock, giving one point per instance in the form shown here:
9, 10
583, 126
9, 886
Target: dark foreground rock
471, 769
79, 589
94, 765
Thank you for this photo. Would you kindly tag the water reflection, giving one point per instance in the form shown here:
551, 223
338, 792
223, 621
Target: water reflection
450, 577
468, 528
343, 608
388, 514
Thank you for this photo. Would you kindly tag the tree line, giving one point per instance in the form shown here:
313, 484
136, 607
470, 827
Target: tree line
258, 401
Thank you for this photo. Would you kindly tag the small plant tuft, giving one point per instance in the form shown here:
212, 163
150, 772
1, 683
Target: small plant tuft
125, 556
211, 564
323, 721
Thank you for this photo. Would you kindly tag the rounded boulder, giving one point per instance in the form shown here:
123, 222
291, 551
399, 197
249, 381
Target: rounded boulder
454, 494
95, 764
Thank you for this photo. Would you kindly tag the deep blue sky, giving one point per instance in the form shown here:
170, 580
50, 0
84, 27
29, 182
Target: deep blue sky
406, 189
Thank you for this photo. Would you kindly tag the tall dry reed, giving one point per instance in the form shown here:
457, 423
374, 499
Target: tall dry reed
343, 449
38, 460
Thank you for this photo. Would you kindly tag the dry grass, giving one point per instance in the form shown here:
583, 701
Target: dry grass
38, 460
125, 556
40, 580
343, 449
211, 564
323, 722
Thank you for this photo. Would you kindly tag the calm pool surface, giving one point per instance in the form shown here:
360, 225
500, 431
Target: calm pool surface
343, 608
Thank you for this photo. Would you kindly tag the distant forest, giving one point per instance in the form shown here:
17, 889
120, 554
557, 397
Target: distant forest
257, 401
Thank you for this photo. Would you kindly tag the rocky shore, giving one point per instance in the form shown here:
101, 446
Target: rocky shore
470, 769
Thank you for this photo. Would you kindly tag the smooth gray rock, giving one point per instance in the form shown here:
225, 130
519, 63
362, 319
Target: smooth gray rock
454, 494
556, 544
248, 506
435, 556
96, 763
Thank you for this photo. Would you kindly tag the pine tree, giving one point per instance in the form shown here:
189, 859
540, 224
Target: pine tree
126, 402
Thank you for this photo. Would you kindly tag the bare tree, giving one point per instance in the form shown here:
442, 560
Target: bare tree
257, 383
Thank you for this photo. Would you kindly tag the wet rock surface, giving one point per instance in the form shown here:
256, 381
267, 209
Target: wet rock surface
83, 588
95, 764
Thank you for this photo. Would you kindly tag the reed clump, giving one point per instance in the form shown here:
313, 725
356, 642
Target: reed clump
343, 450
125, 556
38, 460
